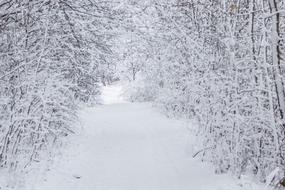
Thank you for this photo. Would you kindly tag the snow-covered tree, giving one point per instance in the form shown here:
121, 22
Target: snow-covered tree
50, 56
220, 62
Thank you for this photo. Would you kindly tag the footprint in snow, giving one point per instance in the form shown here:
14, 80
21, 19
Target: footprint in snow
77, 176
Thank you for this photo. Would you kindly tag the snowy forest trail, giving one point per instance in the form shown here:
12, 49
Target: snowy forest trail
131, 146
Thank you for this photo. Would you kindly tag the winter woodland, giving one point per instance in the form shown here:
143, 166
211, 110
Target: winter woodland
218, 62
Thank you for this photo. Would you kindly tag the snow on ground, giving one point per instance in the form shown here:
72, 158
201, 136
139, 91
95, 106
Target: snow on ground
113, 95
128, 146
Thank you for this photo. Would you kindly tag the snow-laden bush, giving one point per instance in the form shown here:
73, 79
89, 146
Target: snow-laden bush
50, 52
221, 63
139, 91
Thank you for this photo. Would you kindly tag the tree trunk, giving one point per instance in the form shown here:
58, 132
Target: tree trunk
276, 57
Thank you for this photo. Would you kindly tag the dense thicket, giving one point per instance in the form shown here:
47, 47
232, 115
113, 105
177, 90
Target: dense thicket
51, 57
221, 62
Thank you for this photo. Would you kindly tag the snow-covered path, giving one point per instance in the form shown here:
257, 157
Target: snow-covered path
129, 146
